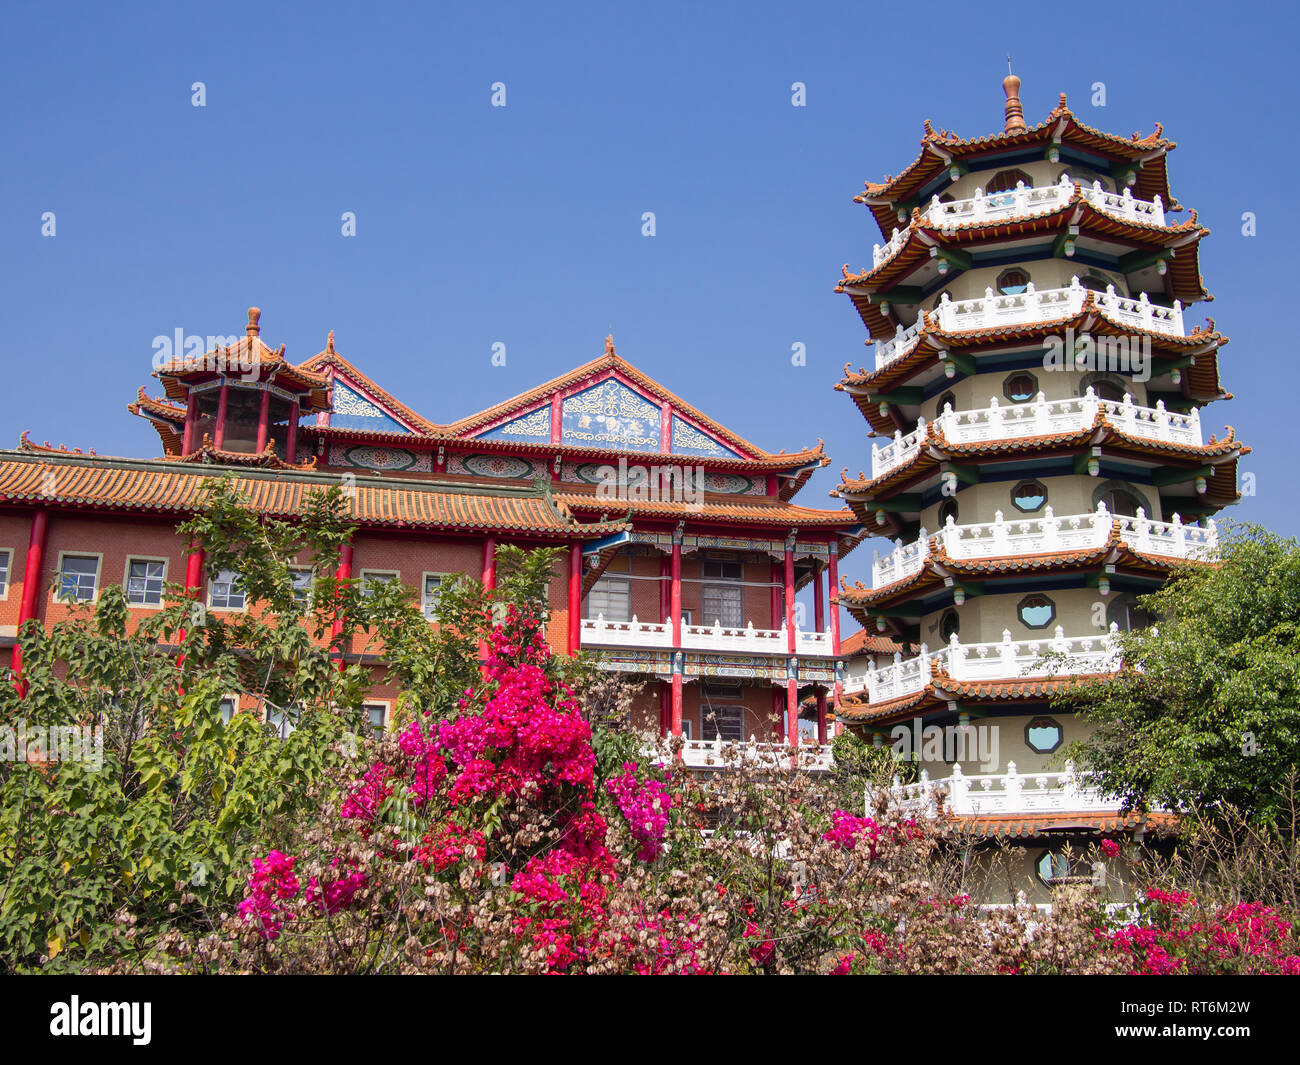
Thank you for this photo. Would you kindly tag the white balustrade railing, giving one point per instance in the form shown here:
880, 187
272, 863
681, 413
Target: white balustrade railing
898, 451
1011, 792
717, 753
1024, 201
1046, 534
598, 632
904, 340
1041, 417
1007, 660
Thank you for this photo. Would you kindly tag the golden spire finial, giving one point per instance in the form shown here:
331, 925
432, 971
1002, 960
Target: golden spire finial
1015, 122
254, 315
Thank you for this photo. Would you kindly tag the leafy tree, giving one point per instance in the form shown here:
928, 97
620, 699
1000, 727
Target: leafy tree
1206, 712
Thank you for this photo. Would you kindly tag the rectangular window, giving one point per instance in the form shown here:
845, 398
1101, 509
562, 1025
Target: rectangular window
302, 578
225, 592
611, 599
722, 720
724, 605
228, 706
373, 578
78, 578
377, 715
6, 557
429, 594
281, 723
722, 571
144, 581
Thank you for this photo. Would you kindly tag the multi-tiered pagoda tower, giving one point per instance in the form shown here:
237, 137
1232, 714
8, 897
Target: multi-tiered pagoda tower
1039, 393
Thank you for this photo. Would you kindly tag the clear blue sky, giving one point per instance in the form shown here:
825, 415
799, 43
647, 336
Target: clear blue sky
523, 225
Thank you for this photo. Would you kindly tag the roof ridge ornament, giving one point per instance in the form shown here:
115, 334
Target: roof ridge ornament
609, 345
254, 317
1015, 113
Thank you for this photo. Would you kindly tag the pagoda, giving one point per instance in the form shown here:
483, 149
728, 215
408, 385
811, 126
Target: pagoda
1038, 389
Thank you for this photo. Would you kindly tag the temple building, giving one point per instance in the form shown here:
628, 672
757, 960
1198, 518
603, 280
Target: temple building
1038, 387
683, 548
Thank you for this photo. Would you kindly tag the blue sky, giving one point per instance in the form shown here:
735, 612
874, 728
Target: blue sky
522, 225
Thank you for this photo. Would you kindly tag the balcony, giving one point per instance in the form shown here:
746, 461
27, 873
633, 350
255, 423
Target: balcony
1023, 202
1003, 793
597, 632
719, 753
1041, 417
1047, 535
1032, 307
1006, 660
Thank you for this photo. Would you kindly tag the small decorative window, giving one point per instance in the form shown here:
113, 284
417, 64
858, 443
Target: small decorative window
227, 709
949, 625
948, 510
1013, 282
144, 581
1094, 282
727, 722
1120, 500
225, 592
371, 579
1006, 180
1043, 735
946, 399
301, 578
78, 578
1103, 386
1036, 611
1053, 866
429, 594
376, 717
1124, 612
6, 557
1020, 387
1028, 496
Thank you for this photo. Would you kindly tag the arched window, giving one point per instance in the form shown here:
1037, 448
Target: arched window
1036, 611
1044, 735
1028, 496
949, 625
1012, 282
1120, 500
1005, 181
1082, 175
943, 400
1096, 283
1020, 387
1124, 612
948, 510
1104, 386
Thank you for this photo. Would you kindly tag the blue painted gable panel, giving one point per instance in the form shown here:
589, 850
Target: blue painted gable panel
535, 425
610, 415
687, 440
352, 410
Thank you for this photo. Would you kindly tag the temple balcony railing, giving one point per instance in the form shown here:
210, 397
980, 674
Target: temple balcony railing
1011, 792
1005, 660
1024, 201
1041, 417
1033, 306
1044, 535
597, 632
718, 753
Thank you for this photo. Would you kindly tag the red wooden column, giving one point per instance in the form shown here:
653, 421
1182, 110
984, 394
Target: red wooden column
343, 573
291, 441
264, 420
789, 596
834, 579
193, 588
575, 598
489, 563
676, 607
191, 419
792, 711
791, 684
219, 437
33, 567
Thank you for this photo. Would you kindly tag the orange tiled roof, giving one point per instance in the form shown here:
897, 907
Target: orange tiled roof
760, 510
865, 643
1030, 826
171, 488
940, 148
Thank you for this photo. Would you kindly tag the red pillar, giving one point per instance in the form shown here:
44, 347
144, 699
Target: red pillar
676, 607
834, 578
489, 563
343, 573
33, 567
291, 441
789, 597
821, 715
676, 721
819, 602
575, 598
191, 419
264, 420
792, 711
193, 587
219, 437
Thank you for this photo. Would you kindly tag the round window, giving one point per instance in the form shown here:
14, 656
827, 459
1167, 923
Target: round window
1028, 496
949, 625
1036, 611
1006, 180
1020, 387
1043, 735
1011, 282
